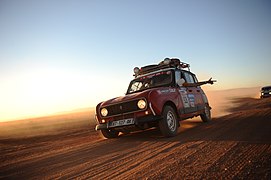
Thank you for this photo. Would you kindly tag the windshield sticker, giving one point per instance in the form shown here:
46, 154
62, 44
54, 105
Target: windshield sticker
155, 74
191, 98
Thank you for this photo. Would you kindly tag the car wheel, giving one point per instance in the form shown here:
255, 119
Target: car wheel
109, 133
168, 124
206, 116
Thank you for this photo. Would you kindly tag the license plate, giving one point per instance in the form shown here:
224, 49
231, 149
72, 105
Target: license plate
123, 122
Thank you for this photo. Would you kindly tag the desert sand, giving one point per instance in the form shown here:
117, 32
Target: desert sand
236, 145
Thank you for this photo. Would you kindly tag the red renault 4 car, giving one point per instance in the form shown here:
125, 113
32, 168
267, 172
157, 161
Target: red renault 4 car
160, 95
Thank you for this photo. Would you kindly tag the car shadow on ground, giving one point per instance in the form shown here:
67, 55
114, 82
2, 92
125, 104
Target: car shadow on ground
154, 134
249, 121
239, 129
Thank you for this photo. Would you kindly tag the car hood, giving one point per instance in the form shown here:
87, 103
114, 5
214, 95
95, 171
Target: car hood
128, 97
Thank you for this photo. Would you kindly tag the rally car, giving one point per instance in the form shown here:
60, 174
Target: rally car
160, 95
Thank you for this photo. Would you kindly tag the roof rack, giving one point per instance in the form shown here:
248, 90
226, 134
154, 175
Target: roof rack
166, 63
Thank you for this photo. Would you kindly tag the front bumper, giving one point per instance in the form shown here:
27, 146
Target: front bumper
265, 95
101, 126
138, 122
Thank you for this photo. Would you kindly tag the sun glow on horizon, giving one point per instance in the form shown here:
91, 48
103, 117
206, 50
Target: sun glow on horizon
45, 91
40, 91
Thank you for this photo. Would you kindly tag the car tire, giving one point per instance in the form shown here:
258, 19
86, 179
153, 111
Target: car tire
109, 133
168, 124
206, 116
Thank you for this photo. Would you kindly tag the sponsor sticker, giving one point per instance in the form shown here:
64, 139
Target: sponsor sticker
184, 97
191, 98
166, 91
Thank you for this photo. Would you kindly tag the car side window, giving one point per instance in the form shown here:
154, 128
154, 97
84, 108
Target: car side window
195, 78
189, 77
177, 75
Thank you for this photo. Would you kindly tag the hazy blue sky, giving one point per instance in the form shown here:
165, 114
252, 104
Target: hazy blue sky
63, 54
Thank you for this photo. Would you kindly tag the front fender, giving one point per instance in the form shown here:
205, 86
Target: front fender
158, 98
97, 113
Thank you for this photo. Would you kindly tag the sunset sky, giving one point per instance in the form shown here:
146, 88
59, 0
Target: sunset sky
60, 55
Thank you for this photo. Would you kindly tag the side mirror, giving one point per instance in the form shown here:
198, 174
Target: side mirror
180, 82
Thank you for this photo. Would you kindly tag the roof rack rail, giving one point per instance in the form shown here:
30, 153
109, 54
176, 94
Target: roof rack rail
166, 63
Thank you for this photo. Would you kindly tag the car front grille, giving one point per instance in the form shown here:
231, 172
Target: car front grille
123, 108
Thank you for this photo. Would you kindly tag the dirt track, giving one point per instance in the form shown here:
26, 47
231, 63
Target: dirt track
233, 146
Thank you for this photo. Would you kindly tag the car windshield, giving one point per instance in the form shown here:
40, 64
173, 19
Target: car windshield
266, 88
150, 81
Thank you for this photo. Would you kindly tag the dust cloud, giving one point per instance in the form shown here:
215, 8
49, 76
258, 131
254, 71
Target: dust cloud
222, 101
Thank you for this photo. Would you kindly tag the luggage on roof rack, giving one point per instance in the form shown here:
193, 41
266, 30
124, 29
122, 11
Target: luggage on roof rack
166, 63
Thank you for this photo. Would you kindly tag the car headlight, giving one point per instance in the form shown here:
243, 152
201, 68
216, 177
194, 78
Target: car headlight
141, 104
104, 112
269, 92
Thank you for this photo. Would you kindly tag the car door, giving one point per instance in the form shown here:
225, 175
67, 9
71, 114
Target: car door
186, 96
199, 95
191, 92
